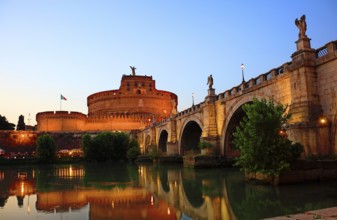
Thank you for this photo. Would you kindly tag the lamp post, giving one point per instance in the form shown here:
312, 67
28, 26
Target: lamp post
192, 99
243, 76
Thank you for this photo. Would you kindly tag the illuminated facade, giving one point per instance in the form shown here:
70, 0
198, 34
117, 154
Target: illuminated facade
136, 104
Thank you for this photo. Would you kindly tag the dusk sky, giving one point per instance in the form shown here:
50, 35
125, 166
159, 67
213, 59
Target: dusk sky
77, 48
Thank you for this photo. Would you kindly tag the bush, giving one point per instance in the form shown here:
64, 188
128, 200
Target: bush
205, 144
133, 151
45, 149
154, 153
263, 147
109, 146
86, 143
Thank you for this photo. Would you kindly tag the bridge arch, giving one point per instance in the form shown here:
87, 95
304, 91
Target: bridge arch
190, 135
163, 139
147, 143
193, 202
232, 120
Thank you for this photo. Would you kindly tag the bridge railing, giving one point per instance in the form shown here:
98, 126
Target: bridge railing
329, 48
321, 55
193, 109
254, 81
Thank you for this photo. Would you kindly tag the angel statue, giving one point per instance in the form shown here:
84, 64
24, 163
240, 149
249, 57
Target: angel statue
133, 70
302, 26
210, 82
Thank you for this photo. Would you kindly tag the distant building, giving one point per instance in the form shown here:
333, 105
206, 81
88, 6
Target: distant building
136, 104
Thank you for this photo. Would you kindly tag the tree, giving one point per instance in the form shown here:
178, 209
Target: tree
5, 125
261, 140
45, 149
86, 143
133, 151
21, 123
106, 146
121, 142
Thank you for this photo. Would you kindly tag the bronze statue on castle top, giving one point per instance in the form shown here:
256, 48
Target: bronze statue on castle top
302, 26
133, 69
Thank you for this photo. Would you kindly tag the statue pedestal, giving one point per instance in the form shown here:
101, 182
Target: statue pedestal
211, 97
211, 92
303, 43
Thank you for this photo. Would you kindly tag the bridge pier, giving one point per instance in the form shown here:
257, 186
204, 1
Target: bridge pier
210, 131
172, 148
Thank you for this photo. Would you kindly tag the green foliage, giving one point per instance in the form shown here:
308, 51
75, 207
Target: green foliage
263, 148
120, 145
45, 149
107, 146
21, 124
205, 144
101, 147
86, 143
154, 153
5, 125
133, 151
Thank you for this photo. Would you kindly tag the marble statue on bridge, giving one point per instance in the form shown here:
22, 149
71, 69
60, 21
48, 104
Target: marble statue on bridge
302, 26
210, 82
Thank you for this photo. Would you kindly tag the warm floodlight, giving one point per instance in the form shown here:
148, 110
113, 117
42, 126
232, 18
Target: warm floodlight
323, 121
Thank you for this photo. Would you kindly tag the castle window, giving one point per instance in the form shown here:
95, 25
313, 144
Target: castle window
143, 84
138, 91
150, 84
136, 83
127, 83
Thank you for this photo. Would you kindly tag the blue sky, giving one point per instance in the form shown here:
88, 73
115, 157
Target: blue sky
77, 48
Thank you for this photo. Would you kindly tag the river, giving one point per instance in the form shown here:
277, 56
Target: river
125, 191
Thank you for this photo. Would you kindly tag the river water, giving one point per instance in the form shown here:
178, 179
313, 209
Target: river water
124, 191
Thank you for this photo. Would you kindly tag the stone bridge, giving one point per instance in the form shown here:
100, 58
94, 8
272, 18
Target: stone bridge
307, 84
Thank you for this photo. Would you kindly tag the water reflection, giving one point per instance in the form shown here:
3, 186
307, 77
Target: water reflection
122, 191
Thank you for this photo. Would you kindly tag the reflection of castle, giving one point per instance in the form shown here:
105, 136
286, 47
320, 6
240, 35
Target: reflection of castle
136, 104
17, 183
127, 203
167, 194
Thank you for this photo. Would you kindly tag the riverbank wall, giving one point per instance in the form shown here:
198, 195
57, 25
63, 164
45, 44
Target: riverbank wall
15, 143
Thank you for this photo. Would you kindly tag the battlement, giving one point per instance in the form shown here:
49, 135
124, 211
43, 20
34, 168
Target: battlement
120, 116
60, 114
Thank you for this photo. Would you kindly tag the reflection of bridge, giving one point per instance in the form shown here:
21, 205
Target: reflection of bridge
307, 84
196, 203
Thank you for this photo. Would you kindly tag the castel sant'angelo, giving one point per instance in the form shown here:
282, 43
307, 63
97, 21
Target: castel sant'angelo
136, 104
